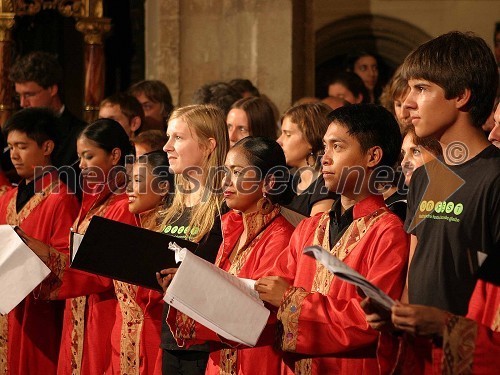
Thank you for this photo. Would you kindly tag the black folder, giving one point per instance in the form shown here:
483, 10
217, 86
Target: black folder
125, 252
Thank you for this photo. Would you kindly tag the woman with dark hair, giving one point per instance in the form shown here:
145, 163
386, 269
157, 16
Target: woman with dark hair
254, 234
348, 86
135, 337
365, 65
90, 300
302, 129
251, 116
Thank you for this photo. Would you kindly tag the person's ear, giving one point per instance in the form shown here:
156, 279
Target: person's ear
135, 124
463, 98
48, 147
53, 90
212, 143
116, 154
268, 184
374, 156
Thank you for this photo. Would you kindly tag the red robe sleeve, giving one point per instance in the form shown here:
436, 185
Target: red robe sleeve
75, 283
66, 206
473, 342
317, 324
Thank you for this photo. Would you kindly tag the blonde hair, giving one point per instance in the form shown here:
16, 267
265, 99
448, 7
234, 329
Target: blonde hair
206, 121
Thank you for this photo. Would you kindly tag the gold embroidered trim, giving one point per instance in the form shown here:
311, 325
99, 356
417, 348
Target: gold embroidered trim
3, 190
4, 339
132, 324
495, 326
14, 218
349, 240
459, 342
303, 367
288, 314
184, 328
79, 304
228, 362
77, 334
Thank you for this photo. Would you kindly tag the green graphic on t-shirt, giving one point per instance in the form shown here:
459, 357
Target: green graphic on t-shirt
181, 231
447, 210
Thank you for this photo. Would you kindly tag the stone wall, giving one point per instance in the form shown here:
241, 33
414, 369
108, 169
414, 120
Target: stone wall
272, 42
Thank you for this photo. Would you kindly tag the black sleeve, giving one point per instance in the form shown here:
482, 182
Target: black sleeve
493, 218
418, 179
210, 243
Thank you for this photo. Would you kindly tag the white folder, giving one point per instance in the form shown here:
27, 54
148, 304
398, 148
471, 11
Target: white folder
218, 300
21, 270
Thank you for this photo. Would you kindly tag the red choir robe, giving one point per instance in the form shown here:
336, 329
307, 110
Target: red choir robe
267, 237
30, 334
323, 324
89, 314
4, 183
135, 337
472, 343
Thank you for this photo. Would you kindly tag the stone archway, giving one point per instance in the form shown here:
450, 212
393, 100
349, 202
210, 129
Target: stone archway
391, 39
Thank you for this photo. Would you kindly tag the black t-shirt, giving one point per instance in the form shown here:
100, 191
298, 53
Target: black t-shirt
453, 217
304, 202
396, 202
207, 249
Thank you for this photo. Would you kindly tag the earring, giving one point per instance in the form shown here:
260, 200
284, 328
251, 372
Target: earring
265, 205
311, 165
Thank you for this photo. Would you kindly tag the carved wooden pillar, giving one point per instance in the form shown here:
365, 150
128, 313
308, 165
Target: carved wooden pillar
93, 30
6, 88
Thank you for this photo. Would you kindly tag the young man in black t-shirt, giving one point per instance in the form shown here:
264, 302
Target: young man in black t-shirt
454, 203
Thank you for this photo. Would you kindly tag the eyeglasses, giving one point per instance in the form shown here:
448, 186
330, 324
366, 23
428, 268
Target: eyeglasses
27, 95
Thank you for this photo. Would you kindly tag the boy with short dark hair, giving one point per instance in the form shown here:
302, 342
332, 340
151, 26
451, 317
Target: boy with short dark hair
44, 209
323, 323
124, 109
453, 207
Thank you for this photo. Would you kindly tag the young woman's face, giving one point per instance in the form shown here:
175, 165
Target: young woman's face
339, 91
402, 113
294, 144
413, 157
185, 152
145, 193
243, 185
237, 125
366, 68
95, 162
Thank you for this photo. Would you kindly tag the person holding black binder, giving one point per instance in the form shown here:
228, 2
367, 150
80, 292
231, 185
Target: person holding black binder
135, 337
90, 300
197, 146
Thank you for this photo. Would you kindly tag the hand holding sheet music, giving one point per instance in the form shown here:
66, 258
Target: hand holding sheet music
346, 273
21, 270
222, 302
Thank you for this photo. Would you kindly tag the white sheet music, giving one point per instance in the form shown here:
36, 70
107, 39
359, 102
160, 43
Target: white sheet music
20, 269
218, 300
346, 273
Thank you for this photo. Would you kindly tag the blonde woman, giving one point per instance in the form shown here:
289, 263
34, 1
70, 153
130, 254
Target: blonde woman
196, 147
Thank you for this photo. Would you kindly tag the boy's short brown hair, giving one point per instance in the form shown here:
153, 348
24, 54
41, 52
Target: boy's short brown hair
457, 61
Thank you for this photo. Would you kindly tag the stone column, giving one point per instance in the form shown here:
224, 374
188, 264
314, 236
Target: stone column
93, 30
6, 87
